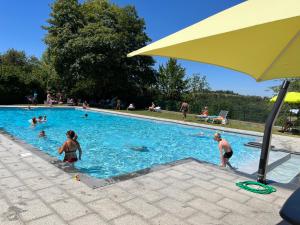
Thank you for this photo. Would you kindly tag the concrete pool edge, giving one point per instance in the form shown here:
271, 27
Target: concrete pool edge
94, 182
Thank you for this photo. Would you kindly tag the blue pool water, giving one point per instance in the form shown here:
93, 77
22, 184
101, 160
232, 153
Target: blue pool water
108, 140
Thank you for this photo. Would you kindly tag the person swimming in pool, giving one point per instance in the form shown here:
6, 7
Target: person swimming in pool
33, 121
40, 119
223, 145
200, 134
42, 134
139, 148
85, 116
70, 147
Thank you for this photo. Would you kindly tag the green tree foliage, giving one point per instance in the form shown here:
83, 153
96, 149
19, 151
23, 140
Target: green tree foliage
249, 108
284, 112
294, 86
170, 80
196, 91
65, 21
19, 76
48, 75
89, 44
197, 84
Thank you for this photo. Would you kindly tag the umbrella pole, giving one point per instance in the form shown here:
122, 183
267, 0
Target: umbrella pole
264, 155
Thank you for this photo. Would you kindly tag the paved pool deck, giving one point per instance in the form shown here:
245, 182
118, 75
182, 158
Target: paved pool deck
34, 191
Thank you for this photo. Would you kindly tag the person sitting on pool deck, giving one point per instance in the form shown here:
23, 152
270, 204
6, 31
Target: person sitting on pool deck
152, 107
204, 112
223, 144
85, 105
70, 147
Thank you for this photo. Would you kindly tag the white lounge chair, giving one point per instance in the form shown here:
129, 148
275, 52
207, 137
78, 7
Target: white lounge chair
157, 109
201, 117
131, 107
221, 117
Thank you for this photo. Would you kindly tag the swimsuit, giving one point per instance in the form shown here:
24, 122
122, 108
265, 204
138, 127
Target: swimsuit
70, 156
227, 155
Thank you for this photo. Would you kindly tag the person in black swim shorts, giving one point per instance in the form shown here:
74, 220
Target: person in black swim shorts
223, 145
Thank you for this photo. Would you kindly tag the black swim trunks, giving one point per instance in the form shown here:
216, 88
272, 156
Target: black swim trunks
227, 155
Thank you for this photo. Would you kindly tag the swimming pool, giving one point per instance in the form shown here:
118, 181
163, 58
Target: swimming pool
115, 145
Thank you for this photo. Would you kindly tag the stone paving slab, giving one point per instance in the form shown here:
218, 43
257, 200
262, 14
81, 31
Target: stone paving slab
33, 191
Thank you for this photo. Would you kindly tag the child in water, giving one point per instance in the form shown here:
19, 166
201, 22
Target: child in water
42, 134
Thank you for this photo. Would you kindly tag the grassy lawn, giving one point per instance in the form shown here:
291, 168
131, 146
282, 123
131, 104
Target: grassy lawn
236, 124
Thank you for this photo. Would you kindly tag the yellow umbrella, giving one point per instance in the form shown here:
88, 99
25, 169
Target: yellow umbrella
258, 37
291, 97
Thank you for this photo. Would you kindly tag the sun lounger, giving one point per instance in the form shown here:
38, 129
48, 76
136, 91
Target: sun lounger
201, 117
290, 211
70, 102
157, 109
222, 117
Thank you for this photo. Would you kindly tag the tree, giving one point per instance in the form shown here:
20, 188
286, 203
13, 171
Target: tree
48, 75
19, 76
93, 55
65, 21
14, 58
294, 86
170, 80
197, 84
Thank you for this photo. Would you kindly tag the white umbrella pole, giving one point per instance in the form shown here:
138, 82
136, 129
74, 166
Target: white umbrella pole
263, 162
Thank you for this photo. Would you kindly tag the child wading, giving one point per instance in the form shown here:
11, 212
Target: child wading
223, 145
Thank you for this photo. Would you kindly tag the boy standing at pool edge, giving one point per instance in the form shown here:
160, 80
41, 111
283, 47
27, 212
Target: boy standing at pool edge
223, 144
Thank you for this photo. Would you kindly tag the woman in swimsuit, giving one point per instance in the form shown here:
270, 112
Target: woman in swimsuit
70, 147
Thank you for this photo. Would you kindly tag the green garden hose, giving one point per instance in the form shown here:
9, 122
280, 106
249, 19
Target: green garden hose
259, 189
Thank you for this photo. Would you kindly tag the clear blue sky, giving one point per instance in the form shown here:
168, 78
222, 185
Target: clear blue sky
21, 21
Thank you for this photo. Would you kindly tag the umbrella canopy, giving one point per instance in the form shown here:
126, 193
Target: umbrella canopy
258, 37
291, 97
